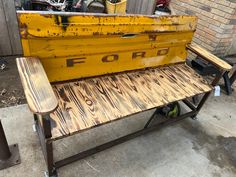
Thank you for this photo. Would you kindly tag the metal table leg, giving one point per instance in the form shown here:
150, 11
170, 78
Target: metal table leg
9, 155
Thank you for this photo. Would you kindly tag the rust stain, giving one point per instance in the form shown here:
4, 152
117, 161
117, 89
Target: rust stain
24, 30
62, 21
116, 33
157, 31
95, 33
152, 37
190, 25
46, 15
65, 22
56, 20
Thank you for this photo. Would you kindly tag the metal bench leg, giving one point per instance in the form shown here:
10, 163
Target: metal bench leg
9, 156
44, 133
227, 83
49, 159
206, 96
48, 146
233, 78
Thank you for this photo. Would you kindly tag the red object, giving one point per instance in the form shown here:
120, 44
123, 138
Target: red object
163, 2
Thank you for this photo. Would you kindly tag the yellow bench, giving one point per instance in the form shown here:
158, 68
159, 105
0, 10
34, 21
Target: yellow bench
81, 71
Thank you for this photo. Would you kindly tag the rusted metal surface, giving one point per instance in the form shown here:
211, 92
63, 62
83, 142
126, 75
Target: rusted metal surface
70, 24
75, 45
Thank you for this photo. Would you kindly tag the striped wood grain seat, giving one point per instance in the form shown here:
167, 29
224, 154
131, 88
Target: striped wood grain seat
91, 102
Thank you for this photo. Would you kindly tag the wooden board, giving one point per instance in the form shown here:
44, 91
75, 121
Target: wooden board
38, 91
92, 102
12, 25
10, 43
209, 57
5, 45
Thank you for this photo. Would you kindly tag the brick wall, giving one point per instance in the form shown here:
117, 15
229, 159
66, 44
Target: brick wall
216, 22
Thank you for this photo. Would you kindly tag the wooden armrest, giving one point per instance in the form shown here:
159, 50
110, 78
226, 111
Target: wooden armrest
38, 91
209, 57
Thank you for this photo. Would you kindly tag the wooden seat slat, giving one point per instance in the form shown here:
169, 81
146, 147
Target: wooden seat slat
95, 101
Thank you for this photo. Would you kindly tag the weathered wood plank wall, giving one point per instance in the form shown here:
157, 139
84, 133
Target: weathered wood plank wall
9, 33
5, 45
141, 6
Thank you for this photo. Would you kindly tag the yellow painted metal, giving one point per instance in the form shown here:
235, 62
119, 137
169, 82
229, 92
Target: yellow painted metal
116, 8
72, 45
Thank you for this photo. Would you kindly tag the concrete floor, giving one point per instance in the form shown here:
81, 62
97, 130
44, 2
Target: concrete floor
193, 148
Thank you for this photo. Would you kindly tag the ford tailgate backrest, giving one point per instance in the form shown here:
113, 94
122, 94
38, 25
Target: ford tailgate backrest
76, 45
